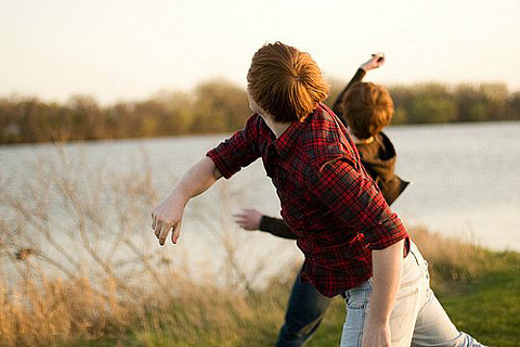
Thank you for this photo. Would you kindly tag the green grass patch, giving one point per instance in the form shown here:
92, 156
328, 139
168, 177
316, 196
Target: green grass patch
479, 289
486, 306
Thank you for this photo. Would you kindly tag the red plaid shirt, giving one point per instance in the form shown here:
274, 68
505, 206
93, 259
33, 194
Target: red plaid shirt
329, 201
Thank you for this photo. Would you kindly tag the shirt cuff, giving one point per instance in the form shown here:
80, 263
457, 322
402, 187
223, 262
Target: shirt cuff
221, 165
389, 237
360, 73
276, 227
265, 223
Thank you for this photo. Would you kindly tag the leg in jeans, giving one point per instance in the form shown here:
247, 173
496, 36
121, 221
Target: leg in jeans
433, 326
417, 318
357, 304
304, 314
402, 318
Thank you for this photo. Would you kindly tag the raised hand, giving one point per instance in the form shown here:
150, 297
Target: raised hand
376, 61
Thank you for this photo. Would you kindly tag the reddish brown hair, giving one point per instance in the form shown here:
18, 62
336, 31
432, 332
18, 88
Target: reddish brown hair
367, 108
285, 82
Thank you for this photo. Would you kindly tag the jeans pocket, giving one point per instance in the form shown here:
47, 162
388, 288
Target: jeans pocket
357, 301
405, 303
403, 316
357, 297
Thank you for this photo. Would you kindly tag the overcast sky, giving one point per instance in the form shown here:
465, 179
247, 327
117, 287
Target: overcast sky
131, 49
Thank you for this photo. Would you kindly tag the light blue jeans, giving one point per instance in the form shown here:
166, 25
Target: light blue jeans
417, 319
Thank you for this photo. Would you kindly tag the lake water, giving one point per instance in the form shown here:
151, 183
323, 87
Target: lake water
465, 184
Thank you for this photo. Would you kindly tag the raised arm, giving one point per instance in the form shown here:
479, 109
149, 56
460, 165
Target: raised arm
373, 63
168, 214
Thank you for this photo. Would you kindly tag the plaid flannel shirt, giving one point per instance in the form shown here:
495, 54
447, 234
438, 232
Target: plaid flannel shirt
328, 200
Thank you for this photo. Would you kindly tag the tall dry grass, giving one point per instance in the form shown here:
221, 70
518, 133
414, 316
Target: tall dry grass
76, 265
79, 262
451, 260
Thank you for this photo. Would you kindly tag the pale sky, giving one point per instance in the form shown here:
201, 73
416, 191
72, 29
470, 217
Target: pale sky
131, 49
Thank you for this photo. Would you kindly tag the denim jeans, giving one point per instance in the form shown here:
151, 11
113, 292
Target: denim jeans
303, 316
417, 319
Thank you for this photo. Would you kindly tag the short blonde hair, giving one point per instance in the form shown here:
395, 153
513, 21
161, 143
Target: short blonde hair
285, 82
367, 108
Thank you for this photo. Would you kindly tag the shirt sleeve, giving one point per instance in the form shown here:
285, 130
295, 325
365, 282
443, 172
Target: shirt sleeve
351, 196
239, 150
358, 77
276, 227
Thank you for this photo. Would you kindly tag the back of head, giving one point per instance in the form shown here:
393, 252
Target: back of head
367, 108
285, 82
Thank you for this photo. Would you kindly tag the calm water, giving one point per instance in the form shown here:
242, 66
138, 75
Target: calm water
465, 184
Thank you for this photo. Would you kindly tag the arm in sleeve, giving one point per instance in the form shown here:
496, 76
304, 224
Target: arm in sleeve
358, 77
239, 150
355, 200
277, 227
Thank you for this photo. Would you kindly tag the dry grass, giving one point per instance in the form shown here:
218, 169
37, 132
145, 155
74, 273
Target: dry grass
76, 264
73, 270
453, 261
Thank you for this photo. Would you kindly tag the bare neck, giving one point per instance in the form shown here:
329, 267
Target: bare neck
277, 128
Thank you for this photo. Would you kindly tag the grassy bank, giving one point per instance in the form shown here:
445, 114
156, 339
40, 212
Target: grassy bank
486, 305
76, 269
479, 289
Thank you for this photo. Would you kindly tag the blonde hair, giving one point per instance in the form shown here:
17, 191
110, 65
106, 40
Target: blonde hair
285, 82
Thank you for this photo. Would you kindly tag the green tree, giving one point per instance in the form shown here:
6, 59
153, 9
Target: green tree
432, 110
219, 107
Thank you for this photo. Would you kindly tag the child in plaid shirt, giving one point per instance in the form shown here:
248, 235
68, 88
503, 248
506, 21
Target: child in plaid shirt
353, 243
368, 108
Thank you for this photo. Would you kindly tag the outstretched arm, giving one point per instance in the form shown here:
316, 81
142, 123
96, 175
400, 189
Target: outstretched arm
168, 214
227, 158
373, 63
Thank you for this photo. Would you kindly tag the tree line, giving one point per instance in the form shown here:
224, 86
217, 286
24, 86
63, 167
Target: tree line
219, 106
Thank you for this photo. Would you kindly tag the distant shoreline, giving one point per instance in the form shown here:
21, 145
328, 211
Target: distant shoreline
225, 134
219, 106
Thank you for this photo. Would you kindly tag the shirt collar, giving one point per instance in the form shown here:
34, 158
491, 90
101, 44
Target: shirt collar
286, 141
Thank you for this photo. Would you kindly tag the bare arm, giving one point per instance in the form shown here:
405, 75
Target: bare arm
198, 179
387, 267
168, 214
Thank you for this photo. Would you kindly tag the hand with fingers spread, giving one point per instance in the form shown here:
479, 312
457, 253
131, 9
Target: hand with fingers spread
376, 61
248, 218
167, 216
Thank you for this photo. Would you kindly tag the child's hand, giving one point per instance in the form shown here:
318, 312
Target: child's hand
166, 216
376, 61
248, 219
